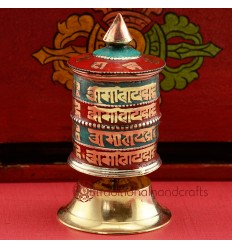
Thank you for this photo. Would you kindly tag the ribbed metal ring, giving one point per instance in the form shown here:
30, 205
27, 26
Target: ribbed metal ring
112, 173
155, 120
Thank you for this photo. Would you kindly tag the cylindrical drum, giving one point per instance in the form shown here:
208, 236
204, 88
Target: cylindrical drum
115, 108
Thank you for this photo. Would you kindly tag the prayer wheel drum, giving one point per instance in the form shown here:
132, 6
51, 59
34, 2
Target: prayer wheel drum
115, 118
115, 108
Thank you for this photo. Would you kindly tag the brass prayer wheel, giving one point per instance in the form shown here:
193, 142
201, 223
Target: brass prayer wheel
115, 118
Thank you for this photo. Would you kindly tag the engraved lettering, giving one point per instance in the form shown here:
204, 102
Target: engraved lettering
132, 66
76, 108
124, 115
77, 132
77, 150
118, 94
119, 158
77, 89
122, 139
96, 137
99, 65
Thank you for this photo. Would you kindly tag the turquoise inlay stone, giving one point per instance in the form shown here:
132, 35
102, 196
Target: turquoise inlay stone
117, 52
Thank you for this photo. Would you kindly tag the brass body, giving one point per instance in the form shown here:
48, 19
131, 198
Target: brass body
108, 210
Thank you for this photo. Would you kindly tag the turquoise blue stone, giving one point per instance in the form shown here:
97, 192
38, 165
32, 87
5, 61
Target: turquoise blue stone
117, 52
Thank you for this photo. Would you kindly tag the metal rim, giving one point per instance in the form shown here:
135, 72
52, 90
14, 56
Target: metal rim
115, 173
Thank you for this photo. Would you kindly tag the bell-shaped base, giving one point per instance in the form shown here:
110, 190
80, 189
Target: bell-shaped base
114, 206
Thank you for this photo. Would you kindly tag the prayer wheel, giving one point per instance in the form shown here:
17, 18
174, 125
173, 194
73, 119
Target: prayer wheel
115, 119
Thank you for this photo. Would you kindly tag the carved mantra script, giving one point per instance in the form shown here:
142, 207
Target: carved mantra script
119, 94
130, 65
115, 115
116, 158
122, 139
116, 139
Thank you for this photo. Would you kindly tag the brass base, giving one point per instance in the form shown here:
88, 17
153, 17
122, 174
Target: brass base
116, 206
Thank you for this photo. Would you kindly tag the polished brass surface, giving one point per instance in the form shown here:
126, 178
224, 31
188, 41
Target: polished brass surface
114, 206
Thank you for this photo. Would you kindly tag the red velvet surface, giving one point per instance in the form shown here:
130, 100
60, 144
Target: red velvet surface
28, 211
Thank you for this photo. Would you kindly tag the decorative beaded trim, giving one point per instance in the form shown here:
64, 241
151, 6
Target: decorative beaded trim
111, 58
114, 73
123, 128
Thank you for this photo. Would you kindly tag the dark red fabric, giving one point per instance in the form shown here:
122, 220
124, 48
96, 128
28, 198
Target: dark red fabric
34, 108
28, 211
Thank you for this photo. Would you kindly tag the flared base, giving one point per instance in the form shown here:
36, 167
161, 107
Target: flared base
129, 207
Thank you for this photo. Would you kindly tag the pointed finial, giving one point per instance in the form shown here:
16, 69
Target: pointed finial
118, 32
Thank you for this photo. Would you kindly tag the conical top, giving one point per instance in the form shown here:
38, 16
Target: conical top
118, 32
117, 61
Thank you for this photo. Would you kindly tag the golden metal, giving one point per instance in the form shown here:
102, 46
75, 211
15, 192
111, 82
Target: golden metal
114, 206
